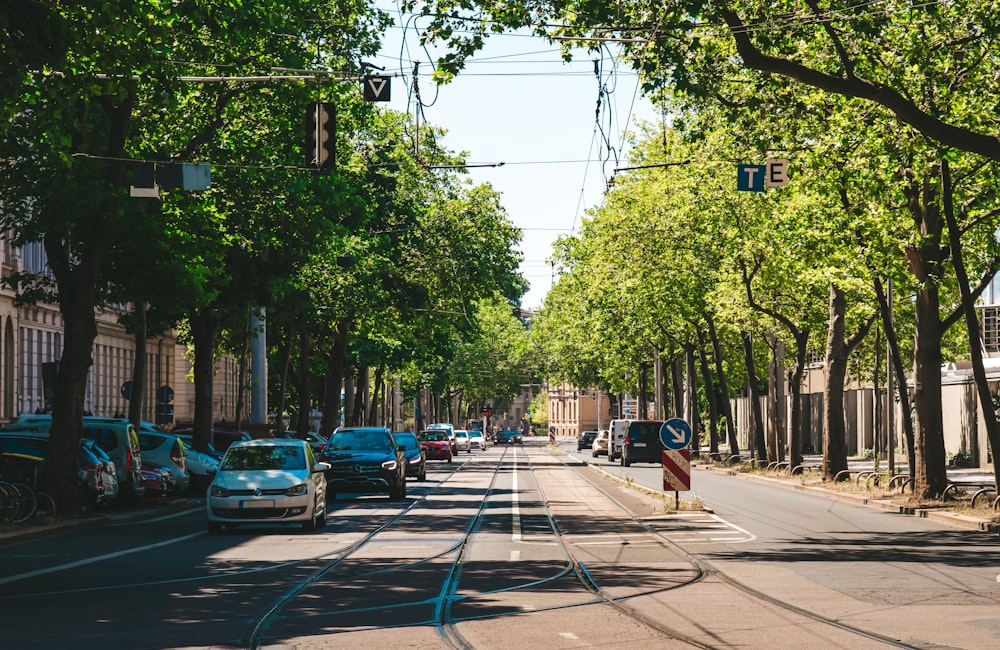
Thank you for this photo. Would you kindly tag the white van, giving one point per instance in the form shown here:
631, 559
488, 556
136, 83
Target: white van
616, 438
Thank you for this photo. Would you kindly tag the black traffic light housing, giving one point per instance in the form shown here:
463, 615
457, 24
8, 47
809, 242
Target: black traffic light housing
321, 136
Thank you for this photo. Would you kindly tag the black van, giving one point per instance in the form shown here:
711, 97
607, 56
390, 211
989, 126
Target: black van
642, 443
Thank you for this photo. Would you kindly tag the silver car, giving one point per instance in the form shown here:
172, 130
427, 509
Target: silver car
462, 442
268, 481
168, 451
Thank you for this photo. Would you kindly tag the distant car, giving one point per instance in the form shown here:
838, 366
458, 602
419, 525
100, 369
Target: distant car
315, 440
450, 429
365, 460
642, 443
462, 442
599, 445
509, 437
157, 481
476, 439
188, 441
95, 474
268, 481
166, 450
435, 444
414, 453
585, 440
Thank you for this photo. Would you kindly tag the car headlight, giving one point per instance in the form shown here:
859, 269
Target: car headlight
219, 491
389, 465
297, 490
415, 460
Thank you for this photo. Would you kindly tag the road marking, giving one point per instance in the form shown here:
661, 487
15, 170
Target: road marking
515, 556
515, 507
99, 558
569, 635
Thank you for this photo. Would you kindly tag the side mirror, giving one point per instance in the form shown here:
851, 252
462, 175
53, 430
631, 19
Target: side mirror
321, 467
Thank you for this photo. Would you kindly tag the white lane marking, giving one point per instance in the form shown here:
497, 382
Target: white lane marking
515, 507
515, 556
568, 635
99, 558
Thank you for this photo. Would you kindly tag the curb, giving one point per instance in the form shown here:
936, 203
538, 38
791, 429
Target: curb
936, 514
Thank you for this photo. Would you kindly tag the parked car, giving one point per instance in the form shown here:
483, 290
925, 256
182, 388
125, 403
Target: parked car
365, 460
315, 440
116, 436
167, 451
599, 445
268, 481
476, 439
462, 442
20, 450
157, 481
585, 440
435, 444
509, 437
642, 443
221, 437
413, 453
188, 440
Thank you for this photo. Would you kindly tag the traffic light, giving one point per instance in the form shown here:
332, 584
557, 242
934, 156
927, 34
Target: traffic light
321, 141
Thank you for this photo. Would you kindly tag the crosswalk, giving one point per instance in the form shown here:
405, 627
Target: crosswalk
698, 528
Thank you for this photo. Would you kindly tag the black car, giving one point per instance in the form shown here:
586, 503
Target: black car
509, 437
364, 460
585, 440
414, 453
642, 443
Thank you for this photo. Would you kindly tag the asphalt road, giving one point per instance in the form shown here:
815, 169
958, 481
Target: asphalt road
512, 547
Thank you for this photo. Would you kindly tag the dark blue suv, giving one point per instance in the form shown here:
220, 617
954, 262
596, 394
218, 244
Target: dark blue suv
364, 460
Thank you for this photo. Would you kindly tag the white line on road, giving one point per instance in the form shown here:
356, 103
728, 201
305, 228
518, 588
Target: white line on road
515, 507
99, 558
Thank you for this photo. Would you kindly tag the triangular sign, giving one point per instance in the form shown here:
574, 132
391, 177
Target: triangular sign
377, 88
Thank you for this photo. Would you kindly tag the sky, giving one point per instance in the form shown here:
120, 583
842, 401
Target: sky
519, 104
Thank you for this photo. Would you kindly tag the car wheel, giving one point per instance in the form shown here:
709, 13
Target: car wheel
397, 492
321, 521
310, 524
449, 458
625, 461
422, 476
593, 454
214, 528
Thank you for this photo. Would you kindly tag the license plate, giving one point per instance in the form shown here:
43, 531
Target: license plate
258, 503
638, 444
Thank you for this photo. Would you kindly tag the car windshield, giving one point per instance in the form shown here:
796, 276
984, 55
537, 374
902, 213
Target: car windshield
475, 434
406, 439
264, 457
359, 441
433, 436
461, 434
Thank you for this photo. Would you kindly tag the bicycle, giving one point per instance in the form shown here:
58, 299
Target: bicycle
18, 483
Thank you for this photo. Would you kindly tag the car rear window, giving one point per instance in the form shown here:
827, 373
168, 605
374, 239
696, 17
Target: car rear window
644, 431
408, 440
105, 438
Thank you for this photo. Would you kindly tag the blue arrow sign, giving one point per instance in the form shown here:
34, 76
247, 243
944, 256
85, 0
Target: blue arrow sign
675, 433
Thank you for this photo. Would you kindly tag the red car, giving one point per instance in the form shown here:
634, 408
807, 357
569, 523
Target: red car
436, 444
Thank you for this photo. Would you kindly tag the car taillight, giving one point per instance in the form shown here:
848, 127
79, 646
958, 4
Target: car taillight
89, 468
179, 459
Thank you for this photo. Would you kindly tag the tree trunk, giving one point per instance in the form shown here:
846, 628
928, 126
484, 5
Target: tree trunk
361, 397
377, 393
204, 326
336, 365
775, 450
971, 320
241, 374
834, 428
304, 421
138, 390
77, 273
902, 390
282, 388
930, 476
641, 402
720, 373
753, 383
795, 431
710, 393
677, 386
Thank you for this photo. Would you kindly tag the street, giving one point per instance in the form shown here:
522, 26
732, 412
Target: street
512, 546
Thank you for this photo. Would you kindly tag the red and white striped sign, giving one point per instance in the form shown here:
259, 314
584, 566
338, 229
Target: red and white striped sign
676, 470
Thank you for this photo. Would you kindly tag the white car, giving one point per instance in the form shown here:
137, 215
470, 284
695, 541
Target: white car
268, 481
462, 442
600, 444
477, 440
